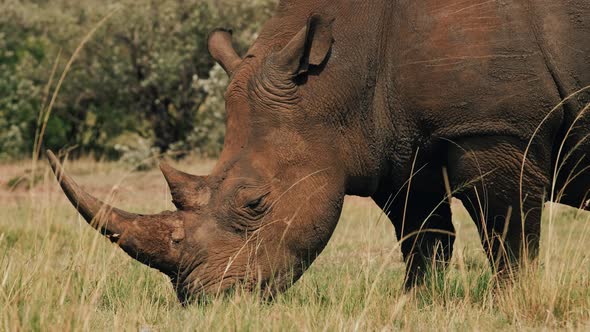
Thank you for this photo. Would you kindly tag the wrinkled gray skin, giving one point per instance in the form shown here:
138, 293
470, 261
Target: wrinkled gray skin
376, 98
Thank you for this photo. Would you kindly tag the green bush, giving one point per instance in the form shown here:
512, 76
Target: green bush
145, 76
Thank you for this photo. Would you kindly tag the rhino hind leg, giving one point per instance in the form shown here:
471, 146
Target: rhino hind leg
573, 166
486, 175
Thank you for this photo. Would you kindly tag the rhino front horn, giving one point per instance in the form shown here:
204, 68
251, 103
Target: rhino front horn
89, 206
142, 237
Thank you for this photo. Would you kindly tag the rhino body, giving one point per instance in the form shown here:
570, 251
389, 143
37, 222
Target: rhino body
407, 102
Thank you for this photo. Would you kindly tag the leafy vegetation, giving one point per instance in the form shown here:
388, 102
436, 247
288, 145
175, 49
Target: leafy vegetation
143, 84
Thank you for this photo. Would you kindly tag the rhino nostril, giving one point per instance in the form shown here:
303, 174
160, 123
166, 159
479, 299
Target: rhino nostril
177, 235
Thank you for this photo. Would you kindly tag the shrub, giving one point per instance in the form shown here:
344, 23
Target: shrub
146, 72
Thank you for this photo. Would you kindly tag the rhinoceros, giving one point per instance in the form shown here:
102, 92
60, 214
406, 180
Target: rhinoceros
406, 102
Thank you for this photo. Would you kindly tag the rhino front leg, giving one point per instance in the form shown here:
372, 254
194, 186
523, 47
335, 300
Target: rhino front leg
486, 173
423, 225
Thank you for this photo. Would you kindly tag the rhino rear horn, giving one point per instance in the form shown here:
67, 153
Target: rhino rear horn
185, 188
221, 49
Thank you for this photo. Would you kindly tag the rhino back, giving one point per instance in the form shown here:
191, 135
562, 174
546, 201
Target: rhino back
487, 67
562, 29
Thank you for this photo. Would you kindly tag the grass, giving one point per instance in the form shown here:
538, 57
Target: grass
56, 273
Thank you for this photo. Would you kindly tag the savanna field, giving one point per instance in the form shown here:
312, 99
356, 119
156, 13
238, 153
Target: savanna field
57, 274
130, 81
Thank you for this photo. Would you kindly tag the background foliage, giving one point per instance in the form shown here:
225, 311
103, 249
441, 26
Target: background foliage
144, 84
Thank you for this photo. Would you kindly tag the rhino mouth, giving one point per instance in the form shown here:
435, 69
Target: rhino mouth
202, 290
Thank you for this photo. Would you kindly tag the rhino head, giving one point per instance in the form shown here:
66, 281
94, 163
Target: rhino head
273, 199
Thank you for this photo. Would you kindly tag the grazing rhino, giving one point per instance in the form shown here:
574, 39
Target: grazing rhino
378, 99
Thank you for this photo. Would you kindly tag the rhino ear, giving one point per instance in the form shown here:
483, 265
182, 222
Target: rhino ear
221, 49
310, 46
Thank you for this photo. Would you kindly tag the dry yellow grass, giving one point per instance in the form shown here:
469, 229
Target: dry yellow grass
56, 273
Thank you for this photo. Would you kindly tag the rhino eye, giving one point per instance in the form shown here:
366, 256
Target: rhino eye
253, 205
257, 206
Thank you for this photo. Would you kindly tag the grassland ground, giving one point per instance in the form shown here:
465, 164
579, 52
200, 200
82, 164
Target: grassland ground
56, 273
